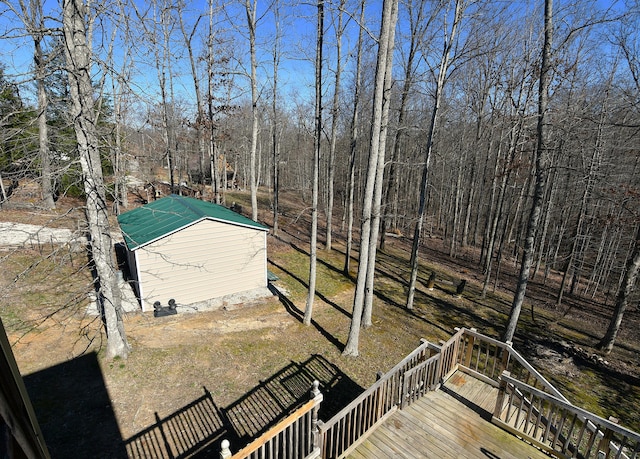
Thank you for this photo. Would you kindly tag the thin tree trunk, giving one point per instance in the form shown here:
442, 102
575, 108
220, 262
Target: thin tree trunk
391, 188
250, 7
335, 111
200, 122
3, 193
43, 132
442, 76
628, 281
541, 154
313, 246
497, 215
453, 247
274, 125
354, 145
547, 218
379, 181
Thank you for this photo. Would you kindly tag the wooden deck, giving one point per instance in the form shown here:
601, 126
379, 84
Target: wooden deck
452, 422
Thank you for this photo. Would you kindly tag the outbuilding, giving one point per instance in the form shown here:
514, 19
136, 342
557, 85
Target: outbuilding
192, 251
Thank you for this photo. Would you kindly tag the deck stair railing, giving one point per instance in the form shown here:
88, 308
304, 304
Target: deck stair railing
559, 427
527, 405
295, 437
486, 359
342, 432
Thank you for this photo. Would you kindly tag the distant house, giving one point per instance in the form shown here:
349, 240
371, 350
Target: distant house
192, 251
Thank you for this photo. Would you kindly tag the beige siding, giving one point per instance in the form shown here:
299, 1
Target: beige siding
207, 260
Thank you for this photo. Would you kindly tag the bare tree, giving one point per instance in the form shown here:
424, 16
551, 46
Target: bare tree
202, 122
250, 8
450, 39
275, 145
351, 348
417, 30
31, 15
540, 165
313, 248
353, 144
78, 53
335, 111
379, 180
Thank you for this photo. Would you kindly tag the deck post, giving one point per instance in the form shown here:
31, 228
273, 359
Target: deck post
501, 393
469, 350
505, 357
225, 452
316, 396
605, 442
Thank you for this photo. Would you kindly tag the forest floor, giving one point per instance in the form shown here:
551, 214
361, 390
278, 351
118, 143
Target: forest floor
229, 359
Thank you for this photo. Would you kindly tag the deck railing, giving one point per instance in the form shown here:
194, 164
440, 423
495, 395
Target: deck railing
426, 376
348, 426
559, 427
486, 358
295, 437
527, 404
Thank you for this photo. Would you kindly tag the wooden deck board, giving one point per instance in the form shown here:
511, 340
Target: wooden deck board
473, 390
447, 425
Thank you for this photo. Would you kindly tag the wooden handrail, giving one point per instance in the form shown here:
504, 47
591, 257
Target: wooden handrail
419, 380
508, 363
393, 372
344, 430
308, 408
423, 370
560, 427
275, 430
575, 409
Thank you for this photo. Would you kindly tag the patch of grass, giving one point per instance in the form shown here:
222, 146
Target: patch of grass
292, 267
603, 393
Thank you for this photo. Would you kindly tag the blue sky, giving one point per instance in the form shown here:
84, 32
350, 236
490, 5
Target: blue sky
298, 45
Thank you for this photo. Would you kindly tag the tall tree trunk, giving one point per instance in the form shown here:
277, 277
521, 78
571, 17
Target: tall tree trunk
3, 193
541, 154
445, 59
417, 29
629, 279
31, 15
213, 159
497, 215
274, 113
379, 180
313, 248
200, 124
84, 116
354, 144
351, 348
335, 111
250, 7
43, 133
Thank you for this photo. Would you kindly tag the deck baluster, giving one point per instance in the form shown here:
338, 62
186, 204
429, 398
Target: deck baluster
225, 452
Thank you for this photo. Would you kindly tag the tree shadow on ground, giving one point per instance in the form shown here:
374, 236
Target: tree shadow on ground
74, 409
297, 314
306, 285
197, 429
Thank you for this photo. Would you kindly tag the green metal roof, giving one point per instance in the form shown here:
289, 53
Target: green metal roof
167, 215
